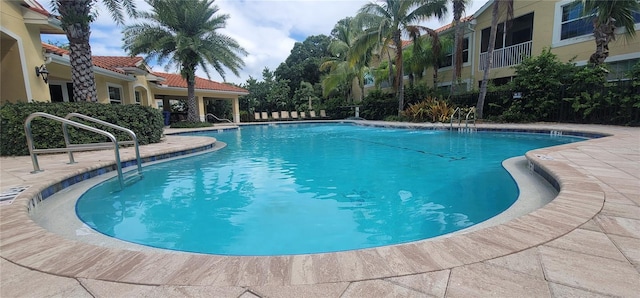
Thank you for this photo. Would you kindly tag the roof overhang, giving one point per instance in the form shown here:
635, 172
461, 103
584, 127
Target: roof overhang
47, 24
209, 91
133, 70
483, 8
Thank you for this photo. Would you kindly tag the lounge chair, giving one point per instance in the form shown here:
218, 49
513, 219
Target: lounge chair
294, 115
323, 114
275, 115
303, 115
265, 116
312, 114
284, 115
256, 116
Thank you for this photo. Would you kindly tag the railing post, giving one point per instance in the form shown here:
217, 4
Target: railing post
34, 157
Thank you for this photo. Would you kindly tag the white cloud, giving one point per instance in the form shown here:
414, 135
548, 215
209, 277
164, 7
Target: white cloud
267, 29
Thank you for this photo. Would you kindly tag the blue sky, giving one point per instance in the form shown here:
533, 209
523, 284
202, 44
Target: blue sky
267, 29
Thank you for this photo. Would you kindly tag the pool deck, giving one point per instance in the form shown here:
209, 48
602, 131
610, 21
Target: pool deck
585, 243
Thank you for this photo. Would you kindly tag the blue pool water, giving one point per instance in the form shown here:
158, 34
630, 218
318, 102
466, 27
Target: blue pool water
295, 189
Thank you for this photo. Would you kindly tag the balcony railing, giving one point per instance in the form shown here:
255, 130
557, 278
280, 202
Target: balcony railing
511, 55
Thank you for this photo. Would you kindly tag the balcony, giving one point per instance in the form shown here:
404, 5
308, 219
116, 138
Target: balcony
508, 56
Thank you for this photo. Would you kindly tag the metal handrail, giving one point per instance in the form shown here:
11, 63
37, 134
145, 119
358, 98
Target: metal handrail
33, 151
134, 138
458, 111
219, 119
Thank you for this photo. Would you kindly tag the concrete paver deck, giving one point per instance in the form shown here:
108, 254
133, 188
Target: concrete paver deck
585, 243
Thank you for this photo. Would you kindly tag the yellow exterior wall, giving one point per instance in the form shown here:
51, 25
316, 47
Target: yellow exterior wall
22, 74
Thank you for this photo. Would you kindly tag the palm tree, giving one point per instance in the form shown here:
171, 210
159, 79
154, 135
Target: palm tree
384, 23
184, 32
607, 15
76, 17
495, 17
341, 72
459, 6
425, 51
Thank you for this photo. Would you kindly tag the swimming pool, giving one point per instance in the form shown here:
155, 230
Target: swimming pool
293, 189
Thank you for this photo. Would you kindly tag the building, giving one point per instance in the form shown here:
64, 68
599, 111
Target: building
119, 80
558, 25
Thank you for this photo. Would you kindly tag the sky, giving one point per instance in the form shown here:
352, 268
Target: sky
267, 29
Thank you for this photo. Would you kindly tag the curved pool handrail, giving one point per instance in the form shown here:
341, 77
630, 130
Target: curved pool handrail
34, 151
134, 138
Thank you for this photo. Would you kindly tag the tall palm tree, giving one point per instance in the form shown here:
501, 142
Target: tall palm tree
384, 23
459, 6
184, 33
498, 5
76, 17
607, 15
425, 51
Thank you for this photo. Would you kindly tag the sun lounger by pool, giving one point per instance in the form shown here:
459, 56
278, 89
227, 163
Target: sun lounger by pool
323, 114
265, 116
284, 115
303, 115
256, 116
312, 114
275, 115
294, 115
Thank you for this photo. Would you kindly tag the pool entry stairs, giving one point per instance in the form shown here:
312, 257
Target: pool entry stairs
70, 147
468, 116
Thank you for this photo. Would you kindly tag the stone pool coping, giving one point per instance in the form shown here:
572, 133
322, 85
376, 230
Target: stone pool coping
580, 198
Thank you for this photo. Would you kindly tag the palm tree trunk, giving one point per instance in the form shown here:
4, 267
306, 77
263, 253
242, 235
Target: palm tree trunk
489, 61
603, 34
457, 57
399, 72
189, 74
76, 27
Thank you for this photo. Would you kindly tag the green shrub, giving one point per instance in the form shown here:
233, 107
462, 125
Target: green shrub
187, 124
145, 122
378, 104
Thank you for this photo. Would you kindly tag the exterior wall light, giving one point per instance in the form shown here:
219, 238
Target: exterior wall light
42, 70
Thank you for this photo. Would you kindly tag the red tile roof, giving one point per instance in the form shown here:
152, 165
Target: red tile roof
175, 80
114, 63
54, 50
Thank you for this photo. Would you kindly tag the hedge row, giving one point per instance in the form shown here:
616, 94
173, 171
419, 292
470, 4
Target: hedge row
146, 122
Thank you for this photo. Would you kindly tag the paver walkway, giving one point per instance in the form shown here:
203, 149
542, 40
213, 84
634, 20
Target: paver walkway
585, 243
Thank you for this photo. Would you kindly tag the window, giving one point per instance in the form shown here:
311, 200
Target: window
160, 103
619, 70
571, 26
138, 97
448, 60
573, 23
61, 91
520, 30
115, 94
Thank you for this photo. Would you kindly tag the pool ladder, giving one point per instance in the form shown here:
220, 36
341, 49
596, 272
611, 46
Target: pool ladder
470, 117
70, 148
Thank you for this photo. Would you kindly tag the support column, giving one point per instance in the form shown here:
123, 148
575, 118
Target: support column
236, 110
201, 108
